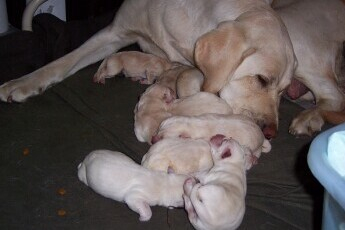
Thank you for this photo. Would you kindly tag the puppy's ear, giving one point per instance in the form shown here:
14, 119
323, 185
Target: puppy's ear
170, 170
217, 140
169, 95
226, 153
219, 52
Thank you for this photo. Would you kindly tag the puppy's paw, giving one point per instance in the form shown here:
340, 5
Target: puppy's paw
141, 207
144, 211
145, 217
189, 208
98, 78
188, 185
306, 123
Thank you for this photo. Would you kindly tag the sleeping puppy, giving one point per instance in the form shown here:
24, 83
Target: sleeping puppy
157, 104
151, 110
198, 104
217, 199
116, 176
205, 126
137, 65
182, 156
184, 80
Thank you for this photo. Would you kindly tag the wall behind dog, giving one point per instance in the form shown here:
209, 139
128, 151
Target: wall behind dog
75, 9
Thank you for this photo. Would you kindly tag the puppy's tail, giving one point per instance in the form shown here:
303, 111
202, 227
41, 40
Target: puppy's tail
82, 173
333, 117
266, 146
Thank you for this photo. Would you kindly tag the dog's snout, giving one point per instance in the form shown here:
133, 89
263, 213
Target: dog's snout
270, 131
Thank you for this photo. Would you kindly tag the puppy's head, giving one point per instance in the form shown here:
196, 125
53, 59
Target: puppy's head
164, 93
249, 62
227, 149
212, 206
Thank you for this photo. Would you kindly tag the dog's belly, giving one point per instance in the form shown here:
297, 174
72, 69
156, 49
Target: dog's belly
296, 89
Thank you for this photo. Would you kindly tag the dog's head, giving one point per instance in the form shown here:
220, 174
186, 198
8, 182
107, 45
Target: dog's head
249, 62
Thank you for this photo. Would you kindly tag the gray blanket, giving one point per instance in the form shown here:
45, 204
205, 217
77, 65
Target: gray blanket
43, 141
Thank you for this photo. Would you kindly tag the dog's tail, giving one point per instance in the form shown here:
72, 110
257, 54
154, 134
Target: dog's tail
82, 173
333, 117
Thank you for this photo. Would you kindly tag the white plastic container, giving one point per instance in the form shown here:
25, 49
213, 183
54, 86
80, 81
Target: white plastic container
325, 160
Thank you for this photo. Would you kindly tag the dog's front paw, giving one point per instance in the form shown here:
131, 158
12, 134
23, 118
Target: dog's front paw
307, 123
19, 90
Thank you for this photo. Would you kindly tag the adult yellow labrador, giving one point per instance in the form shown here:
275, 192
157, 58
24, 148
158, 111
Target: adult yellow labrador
317, 31
241, 46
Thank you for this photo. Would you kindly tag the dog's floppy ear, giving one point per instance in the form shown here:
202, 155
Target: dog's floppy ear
219, 52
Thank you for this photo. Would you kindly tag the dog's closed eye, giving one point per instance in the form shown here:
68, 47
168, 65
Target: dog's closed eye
263, 80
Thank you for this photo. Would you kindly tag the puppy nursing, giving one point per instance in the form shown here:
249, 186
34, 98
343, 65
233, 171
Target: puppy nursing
217, 199
157, 104
116, 176
242, 129
136, 65
182, 156
151, 110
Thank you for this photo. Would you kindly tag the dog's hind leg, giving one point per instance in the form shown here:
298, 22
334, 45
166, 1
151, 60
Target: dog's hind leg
102, 44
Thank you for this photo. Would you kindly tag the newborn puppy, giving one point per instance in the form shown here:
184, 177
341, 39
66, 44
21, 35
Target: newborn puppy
182, 156
238, 127
116, 176
151, 110
184, 80
170, 76
217, 200
136, 65
198, 104
189, 82
157, 104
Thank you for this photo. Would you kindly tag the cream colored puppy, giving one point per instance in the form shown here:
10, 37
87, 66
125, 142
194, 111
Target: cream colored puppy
184, 80
116, 176
198, 104
182, 156
157, 104
205, 126
151, 110
217, 199
136, 65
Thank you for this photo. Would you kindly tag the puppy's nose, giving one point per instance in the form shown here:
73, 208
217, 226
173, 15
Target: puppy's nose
155, 139
270, 131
